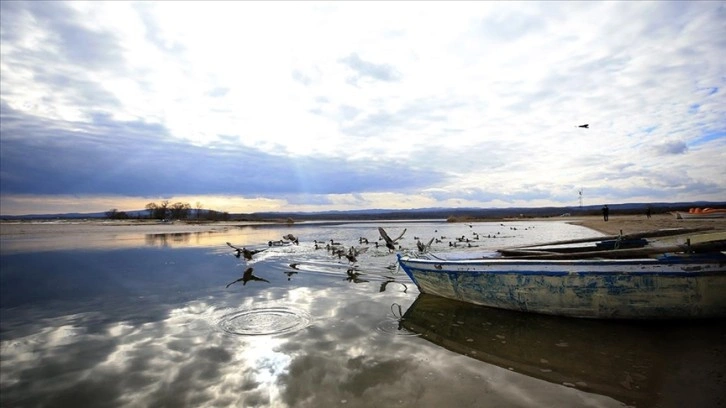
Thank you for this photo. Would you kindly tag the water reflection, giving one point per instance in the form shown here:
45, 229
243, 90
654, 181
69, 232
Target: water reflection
136, 322
246, 277
164, 240
354, 276
392, 280
265, 320
633, 362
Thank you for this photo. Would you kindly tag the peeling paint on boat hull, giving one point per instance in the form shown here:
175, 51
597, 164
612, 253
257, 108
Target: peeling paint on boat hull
606, 289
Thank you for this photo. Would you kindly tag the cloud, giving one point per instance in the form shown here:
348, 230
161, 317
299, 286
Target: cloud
462, 97
674, 147
146, 162
365, 69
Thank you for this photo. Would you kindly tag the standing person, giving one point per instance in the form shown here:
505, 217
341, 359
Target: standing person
605, 212
648, 212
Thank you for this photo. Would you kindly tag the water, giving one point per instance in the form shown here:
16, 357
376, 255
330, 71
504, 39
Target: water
134, 319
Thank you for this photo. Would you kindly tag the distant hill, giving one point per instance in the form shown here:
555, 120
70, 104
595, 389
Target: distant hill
415, 213
439, 213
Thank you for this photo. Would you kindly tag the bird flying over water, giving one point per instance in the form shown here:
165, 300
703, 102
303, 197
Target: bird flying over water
390, 243
247, 253
291, 238
585, 126
424, 247
357, 251
246, 277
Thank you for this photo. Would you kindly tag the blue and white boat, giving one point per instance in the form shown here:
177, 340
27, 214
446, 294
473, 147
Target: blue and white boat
676, 282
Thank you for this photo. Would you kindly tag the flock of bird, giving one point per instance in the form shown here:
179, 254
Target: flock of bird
352, 253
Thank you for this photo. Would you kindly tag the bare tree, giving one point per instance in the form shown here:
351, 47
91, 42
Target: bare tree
179, 210
151, 208
162, 209
199, 208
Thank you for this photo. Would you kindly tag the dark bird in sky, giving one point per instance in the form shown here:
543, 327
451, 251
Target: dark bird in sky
585, 126
246, 277
390, 243
247, 253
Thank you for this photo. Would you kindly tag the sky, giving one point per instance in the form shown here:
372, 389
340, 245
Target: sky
313, 106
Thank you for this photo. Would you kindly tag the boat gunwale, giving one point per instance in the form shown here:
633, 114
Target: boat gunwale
584, 262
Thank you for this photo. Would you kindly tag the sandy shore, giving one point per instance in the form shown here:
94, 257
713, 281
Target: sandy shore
630, 224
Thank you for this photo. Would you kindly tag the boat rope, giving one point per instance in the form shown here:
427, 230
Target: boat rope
400, 314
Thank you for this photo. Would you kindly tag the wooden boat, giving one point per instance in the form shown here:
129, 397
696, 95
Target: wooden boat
701, 213
637, 363
686, 280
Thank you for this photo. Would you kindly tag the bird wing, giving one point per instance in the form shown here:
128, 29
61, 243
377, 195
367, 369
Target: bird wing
400, 236
385, 236
258, 279
232, 246
230, 284
429, 244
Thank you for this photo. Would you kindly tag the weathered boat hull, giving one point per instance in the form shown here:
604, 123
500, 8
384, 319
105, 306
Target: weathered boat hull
669, 288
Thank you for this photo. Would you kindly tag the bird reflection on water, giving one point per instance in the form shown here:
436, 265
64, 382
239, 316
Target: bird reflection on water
354, 276
246, 277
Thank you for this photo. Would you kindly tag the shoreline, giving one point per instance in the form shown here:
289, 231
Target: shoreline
631, 224
627, 224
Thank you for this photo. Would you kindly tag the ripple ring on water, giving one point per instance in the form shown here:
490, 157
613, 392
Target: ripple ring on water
264, 321
393, 326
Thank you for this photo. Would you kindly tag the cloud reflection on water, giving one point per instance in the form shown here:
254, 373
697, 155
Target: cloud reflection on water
184, 359
144, 331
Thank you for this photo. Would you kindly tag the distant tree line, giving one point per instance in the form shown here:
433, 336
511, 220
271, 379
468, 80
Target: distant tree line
183, 211
164, 210
115, 214
176, 211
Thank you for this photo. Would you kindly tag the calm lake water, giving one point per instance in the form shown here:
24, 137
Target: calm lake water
169, 320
